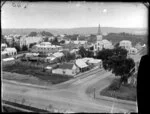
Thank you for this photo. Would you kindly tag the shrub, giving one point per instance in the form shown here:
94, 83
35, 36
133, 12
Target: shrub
114, 85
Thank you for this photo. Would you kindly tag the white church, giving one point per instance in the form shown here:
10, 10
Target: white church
100, 43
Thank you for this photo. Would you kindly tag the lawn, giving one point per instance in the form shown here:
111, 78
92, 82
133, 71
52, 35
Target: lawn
126, 92
36, 74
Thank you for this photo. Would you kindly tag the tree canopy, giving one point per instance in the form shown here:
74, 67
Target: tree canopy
24, 48
55, 41
68, 56
82, 51
117, 37
116, 60
44, 33
33, 34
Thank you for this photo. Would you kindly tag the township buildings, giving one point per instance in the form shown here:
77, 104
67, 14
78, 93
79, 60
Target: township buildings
79, 65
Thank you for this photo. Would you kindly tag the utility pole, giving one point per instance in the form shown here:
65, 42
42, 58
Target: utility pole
94, 93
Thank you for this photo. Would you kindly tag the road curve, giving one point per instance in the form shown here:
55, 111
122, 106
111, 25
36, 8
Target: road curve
72, 96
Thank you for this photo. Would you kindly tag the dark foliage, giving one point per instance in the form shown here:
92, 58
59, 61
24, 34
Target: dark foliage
33, 34
116, 60
24, 48
44, 33
117, 37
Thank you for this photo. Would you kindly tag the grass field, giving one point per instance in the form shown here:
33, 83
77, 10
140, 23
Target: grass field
126, 92
33, 75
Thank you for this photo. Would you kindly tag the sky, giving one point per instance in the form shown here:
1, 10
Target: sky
73, 14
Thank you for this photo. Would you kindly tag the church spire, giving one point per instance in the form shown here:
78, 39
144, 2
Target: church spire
99, 30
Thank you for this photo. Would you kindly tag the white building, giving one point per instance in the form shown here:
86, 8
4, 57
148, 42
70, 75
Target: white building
45, 47
126, 44
10, 51
3, 46
25, 40
66, 69
80, 42
100, 43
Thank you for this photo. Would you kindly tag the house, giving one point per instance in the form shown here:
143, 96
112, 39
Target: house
125, 44
66, 69
11, 51
92, 62
82, 65
96, 62
3, 46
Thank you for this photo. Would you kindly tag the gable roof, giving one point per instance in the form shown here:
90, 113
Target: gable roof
81, 63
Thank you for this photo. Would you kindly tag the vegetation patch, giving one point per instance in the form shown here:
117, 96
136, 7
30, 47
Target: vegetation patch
125, 92
34, 72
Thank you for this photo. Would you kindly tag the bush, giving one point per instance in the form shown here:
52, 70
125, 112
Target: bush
114, 85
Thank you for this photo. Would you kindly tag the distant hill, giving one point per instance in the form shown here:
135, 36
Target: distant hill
82, 30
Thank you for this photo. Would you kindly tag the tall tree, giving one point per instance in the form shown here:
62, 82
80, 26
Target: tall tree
32, 44
116, 60
90, 53
24, 48
82, 51
55, 41
69, 56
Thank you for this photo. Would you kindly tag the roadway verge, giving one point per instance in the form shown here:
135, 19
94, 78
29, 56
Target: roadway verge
98, 96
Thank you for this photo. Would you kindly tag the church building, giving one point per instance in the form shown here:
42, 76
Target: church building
100, 43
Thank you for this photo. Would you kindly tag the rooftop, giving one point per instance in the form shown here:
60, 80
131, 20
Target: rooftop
45, 43
47, 46
10, 49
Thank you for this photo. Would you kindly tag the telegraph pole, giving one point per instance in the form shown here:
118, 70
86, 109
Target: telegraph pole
94, 93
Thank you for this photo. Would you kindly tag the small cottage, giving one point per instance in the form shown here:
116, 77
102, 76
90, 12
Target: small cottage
66, 69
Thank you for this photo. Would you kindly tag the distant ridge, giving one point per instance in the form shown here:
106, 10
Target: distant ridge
80, 30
